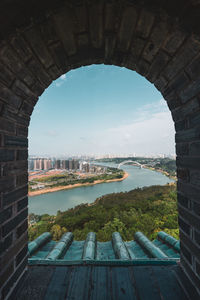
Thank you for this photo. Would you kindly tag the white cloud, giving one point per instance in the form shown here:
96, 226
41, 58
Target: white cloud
151, 131
51, 133
63, 77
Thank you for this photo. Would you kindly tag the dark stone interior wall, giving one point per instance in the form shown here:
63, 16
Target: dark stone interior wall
41, 41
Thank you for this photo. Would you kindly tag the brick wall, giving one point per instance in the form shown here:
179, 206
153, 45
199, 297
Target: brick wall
39, 45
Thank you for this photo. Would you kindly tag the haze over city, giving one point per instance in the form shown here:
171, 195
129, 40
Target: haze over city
83, 113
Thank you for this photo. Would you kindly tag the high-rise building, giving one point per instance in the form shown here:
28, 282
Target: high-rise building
57, 164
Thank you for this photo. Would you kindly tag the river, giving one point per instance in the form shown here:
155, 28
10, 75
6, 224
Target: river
62, 200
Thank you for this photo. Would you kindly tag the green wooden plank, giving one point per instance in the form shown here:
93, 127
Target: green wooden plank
79, 283
100, 283
122, 285
145, 283
58, 285
168, 283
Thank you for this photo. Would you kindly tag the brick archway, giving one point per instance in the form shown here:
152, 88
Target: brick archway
39, 45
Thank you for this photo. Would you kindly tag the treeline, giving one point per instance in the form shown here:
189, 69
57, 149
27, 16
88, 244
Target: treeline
148, 209
166, 164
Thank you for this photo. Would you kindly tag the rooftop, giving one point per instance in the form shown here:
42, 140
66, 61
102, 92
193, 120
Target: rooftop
67, 250
138, 269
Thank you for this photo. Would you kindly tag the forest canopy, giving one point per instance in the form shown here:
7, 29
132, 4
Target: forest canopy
149, 209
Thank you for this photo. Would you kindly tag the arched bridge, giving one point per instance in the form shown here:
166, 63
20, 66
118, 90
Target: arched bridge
130, 161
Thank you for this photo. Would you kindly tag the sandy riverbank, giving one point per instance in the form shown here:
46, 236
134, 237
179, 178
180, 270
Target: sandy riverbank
72, 186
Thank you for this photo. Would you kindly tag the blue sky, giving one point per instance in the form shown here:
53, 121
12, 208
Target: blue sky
101, 109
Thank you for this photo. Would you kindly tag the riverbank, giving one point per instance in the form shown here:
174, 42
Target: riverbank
72, 186
161, 171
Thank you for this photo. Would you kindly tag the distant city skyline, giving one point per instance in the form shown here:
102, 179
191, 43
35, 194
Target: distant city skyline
101, 110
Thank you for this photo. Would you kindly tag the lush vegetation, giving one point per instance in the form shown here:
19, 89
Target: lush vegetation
165, 164
149, 210
71, 178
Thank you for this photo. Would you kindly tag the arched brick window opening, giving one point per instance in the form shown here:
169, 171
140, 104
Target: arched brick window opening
41, 43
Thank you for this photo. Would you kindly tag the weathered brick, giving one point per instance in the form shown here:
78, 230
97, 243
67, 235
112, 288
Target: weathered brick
21, 179
13, 196
54, 72
186, 253
26, 108
194, 119
189, 190
6, 75
7, 183
160, 83
195, 177
110, 44
15, 141
22, 155
186, 110
184, 226
20, 89
192, 219
13, 279
6, 155
7, 126
194, 149
184, 201
185, 54
6, 214
38, 88
22, 130
22, 204
194, 68
34, 38
59, 55
157, 65
157, 36
14, 168
81, 17
137, 47
22, 228
182, 149
188, 135
37, 69
21, 255
127, 26
183, 174
190, 91
197, 237
6, 273
96, 25
12, 60
174, 41
15, 116
8, 96
142, 67
196, 208
192, 248
197, 267
177, 84
6, 243
145, 23
174, 106
191, 277
21, 47
111, 14
181, 125
48, 31
12, 224
65, 28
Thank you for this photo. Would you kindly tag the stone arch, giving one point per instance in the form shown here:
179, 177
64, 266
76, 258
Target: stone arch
41, 43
